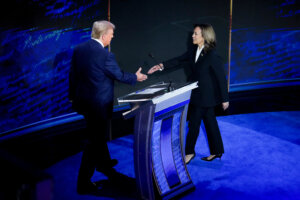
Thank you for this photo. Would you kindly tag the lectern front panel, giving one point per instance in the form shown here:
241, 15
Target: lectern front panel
160, 115
166, 144
168, 168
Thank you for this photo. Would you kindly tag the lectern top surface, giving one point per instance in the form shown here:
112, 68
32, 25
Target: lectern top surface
150, 92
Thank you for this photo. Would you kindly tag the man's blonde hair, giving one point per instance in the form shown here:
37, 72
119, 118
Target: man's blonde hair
100, 28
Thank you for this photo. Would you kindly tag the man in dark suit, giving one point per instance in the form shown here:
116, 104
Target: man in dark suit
92, 75
206, 67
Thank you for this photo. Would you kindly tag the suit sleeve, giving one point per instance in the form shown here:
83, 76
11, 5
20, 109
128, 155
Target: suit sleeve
217, 66
177, 61
113, 70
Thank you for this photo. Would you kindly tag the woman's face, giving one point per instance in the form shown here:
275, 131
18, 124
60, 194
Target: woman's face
197, 37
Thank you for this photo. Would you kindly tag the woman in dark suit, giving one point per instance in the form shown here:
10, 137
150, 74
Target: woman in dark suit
207, 68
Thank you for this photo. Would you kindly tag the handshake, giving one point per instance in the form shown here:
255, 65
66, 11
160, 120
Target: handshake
141, 77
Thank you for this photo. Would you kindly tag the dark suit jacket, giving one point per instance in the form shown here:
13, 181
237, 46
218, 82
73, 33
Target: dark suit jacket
92, 75
210, 74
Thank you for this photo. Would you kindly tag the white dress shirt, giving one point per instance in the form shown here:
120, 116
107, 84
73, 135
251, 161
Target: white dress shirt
99, 42
199, 50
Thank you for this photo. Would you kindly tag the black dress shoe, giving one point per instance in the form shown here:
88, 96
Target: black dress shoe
113, 162
86, 187
105, 166
110, 173
212, 157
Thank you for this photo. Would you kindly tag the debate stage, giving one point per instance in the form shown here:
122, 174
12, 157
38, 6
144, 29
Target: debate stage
261, 161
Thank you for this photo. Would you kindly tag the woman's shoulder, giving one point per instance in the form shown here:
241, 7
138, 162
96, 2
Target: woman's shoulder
212, 52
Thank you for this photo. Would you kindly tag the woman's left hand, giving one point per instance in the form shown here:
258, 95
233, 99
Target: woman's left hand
225, 105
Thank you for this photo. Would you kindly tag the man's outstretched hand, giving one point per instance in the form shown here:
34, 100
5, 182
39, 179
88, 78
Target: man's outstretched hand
140, 77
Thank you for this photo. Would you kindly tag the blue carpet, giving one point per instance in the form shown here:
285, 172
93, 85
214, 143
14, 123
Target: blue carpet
261, 161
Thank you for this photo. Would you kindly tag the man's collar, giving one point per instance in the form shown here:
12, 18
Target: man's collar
98, 41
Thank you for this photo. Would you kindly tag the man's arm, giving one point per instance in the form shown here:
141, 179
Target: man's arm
113, 70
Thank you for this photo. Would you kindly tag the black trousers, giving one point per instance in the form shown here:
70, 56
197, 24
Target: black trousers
96, 153
207, 114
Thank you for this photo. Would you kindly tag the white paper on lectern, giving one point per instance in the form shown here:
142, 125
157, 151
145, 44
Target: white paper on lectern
150, 91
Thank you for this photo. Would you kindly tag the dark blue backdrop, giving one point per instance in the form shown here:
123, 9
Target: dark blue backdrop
37, 41
35, 57
265, 55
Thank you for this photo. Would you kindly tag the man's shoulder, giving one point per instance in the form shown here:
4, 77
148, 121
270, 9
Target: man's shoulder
81, 45
85, 43
90, 45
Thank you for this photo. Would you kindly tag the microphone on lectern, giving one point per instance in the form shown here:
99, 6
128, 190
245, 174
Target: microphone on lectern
151, 56
169, 88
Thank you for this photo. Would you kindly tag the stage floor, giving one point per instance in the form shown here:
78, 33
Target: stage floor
261, 161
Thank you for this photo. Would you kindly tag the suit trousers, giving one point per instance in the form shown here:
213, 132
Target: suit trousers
96, 153
207, 114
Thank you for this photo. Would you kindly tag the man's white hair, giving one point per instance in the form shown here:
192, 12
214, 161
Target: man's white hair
100, 28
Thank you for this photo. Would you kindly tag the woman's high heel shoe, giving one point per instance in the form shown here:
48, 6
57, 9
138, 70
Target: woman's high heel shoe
188, 158
212, 157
